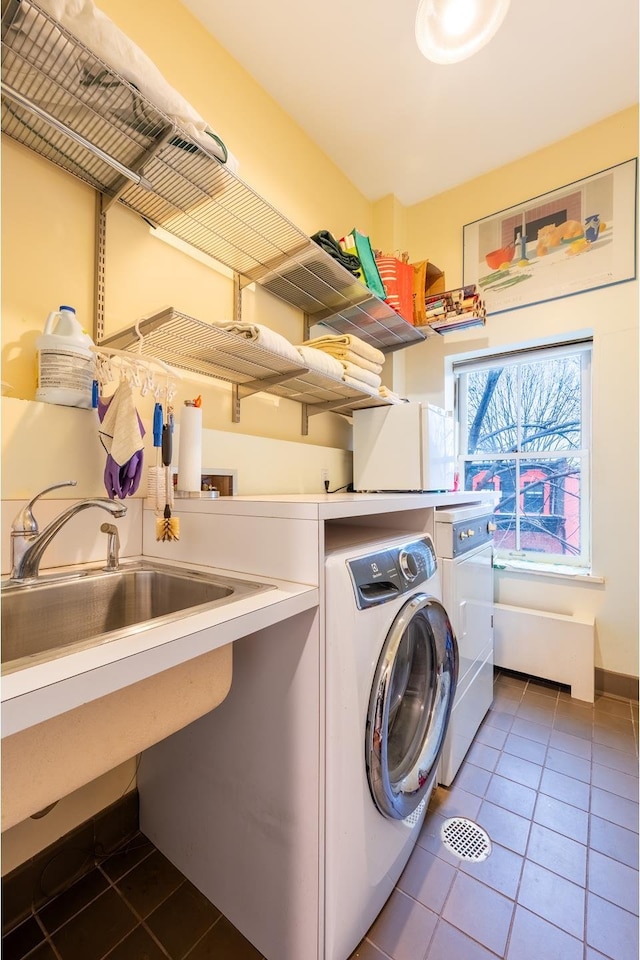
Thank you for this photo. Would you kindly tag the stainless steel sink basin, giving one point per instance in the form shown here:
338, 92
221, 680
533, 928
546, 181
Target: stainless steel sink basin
55, 616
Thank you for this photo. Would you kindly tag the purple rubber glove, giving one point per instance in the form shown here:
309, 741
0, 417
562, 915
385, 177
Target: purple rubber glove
130, 474
112, 478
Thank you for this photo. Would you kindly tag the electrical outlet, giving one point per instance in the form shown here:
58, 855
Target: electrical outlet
324, 476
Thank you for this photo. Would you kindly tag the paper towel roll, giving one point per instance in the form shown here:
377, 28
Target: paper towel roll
190, 449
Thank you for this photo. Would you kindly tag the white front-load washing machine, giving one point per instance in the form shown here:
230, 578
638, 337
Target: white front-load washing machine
391, 660
295, 804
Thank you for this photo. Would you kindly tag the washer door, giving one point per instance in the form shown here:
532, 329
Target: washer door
410, 705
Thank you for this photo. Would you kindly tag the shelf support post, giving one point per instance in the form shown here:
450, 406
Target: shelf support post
237, 317
235, 403
237, 298
99, 269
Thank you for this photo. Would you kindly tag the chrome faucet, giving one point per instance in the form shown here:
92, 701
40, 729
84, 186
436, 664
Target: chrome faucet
28, 543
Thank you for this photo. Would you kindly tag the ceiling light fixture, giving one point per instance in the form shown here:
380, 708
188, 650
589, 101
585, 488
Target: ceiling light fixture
451, 30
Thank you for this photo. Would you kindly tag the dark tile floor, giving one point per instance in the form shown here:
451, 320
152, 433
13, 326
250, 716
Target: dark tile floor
553, 781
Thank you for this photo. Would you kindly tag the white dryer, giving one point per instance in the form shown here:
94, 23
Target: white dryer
391, 661
295, 804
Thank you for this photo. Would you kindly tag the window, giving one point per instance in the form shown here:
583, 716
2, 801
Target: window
524, 430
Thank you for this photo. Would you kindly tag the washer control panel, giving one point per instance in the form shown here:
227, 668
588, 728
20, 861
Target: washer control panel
387, 574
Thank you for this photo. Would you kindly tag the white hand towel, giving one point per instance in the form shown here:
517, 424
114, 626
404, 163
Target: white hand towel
120, 429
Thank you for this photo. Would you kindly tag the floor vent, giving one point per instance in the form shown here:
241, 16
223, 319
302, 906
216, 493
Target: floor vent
465, 839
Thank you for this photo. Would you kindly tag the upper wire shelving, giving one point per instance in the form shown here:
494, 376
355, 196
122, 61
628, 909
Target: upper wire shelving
63, 102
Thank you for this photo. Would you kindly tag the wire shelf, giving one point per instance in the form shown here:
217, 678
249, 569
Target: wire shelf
317, 389
191, 344
63, 102
203, 348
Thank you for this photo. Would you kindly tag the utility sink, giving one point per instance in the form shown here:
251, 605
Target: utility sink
55, 616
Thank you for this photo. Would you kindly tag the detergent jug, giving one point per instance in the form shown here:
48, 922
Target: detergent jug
66, 365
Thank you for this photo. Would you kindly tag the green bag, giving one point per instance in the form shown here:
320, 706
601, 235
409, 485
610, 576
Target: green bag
369, 267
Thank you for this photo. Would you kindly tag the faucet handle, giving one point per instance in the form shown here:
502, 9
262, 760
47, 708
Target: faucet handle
113, 546
25, 522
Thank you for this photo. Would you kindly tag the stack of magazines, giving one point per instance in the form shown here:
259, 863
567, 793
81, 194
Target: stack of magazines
455, 309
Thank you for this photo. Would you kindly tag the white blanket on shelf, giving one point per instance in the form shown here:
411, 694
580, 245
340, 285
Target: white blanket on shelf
101, 35
266, 338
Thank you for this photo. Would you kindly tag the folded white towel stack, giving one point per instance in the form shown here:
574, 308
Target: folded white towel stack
336, 345
360, 363
321, 362
359, 384
354, 372
348, 356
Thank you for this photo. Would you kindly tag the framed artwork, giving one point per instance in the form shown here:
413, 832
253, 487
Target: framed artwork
576, 238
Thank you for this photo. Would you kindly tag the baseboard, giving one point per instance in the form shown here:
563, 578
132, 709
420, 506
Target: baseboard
63, 862
616, 684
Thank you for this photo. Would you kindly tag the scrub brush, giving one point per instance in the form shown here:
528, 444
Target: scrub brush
167, 527
156, 475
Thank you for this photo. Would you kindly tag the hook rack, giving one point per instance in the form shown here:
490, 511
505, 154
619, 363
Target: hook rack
138, 369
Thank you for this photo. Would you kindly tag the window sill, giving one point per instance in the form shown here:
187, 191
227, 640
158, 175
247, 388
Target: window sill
556, 570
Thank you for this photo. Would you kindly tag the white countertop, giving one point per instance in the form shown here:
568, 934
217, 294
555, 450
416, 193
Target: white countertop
36, 693
328, 506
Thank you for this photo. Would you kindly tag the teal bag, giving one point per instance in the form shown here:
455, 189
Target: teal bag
369, 266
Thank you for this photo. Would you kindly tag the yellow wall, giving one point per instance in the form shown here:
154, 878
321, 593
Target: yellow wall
435, 229
276, 157
435, 225
48, 226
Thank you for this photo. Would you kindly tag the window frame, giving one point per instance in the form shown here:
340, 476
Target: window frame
522, 355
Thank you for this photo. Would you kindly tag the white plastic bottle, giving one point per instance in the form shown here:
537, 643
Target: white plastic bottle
66, 365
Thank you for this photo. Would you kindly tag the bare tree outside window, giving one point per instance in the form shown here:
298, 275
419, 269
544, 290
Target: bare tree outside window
524, 433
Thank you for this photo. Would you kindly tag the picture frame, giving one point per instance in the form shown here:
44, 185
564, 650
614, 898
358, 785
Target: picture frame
573, 239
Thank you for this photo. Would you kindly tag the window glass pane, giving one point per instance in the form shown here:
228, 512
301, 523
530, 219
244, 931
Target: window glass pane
524, 426
506, 536
551, 397
549, 501
492, 410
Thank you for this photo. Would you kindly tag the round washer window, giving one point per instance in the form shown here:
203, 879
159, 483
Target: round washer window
410, 706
